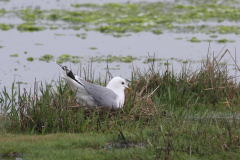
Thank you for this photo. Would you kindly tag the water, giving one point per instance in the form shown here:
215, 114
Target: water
64, 41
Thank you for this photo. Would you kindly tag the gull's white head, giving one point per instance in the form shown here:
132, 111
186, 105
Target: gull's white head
117, 84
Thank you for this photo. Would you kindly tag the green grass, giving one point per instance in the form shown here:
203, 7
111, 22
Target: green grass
67, 146
186, 115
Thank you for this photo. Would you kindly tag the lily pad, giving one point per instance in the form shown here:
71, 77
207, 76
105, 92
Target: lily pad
29, 28
14, 55
194, 40
30, 59
223, 40
46, 57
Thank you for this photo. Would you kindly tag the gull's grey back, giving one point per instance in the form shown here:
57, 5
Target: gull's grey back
101, 95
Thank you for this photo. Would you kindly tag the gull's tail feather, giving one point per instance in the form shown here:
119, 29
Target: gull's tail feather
69, 73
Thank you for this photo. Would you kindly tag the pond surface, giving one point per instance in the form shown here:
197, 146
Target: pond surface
73, 43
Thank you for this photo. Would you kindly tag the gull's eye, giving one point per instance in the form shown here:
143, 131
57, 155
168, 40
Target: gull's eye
122, 82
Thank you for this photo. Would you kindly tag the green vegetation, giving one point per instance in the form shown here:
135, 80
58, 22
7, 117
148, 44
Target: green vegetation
222, 40
157, 31
165, 115
29, 28
93, 48
225, 41
46, 57
67, 146
84, 5
14, 55
68, 58
136, 17
178, 38
110, 58
30, 59
194, 40
53, 28
213, 36
5, 27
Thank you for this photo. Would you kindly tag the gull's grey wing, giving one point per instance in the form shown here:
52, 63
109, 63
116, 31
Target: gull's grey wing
101, 95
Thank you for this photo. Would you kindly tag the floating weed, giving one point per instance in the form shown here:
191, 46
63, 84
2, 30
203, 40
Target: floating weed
93, 48
29, 17
228, 29
167, 63
14, 55
208, 40
157, 31
5, 27
30, 59
15, 69
84, 5
150, 60
222, 40
53, 28
121, 18
225, 41
1, 46
78, 35
222, 64
213, 36
29, 28
127, 59
38, 44
178, 38
25, 52
126, 35
110, 58
68, 58
185, 61
53, 17
46, 57
194, 40
231, 41
75, 61
59, 61
58, 34
65, 57
117, 35
112, 68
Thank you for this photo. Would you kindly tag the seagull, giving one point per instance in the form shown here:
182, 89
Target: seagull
92, 95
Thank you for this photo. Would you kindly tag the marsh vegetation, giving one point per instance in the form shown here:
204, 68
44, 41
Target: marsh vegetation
167, 115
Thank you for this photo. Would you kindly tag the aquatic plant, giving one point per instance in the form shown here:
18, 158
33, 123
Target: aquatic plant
29, 28
46, 57
14, 55
222, 40
30, 59
5, 27
194, 40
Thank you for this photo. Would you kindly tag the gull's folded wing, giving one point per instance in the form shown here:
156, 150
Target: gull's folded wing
101, 95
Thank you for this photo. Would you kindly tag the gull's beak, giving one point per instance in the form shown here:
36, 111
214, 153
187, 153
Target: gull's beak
129, 89
59, 65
